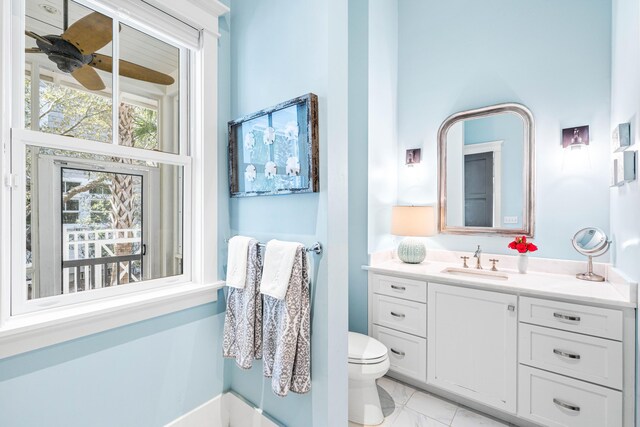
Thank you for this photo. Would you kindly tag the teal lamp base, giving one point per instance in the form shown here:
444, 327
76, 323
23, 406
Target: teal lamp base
412, 250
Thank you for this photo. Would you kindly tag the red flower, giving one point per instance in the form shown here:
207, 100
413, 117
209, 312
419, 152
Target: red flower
520, 244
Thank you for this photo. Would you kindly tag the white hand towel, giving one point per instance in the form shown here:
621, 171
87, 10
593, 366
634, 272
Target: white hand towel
278, 263
237, 261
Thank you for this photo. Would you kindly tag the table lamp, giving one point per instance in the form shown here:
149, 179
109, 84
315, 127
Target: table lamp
412, 222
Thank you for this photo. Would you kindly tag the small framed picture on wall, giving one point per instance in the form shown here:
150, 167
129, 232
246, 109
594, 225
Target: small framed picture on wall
412, 156
575, 136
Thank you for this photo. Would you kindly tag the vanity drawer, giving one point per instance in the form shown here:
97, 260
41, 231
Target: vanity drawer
600, 322
588, 358
407, 353
414, 290
556, 401
403, 315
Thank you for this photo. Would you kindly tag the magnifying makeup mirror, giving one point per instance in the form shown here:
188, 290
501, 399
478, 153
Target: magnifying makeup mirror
591, 242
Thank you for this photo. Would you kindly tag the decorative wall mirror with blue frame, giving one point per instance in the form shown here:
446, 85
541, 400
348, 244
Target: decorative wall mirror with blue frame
275, 150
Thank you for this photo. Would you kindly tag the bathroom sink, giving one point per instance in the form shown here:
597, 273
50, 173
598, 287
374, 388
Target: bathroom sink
479, 274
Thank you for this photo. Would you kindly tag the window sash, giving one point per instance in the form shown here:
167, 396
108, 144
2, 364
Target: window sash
118, 16
189, 132
21, 137
20, 140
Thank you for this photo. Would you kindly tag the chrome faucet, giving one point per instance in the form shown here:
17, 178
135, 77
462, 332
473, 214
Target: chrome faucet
478, 254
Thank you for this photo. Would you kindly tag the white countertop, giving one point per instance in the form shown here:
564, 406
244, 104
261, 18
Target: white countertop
538, 284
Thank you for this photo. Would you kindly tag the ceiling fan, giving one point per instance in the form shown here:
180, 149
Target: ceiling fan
74, 52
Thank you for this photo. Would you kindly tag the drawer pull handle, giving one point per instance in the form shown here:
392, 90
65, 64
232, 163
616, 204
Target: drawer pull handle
511, 307
399, 353
566, 405
566, 317
398, 288
400, 315
566, 354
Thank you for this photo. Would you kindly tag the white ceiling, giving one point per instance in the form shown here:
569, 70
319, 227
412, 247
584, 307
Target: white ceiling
135, 46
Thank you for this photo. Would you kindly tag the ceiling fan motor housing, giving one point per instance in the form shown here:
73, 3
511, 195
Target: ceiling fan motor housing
65, 55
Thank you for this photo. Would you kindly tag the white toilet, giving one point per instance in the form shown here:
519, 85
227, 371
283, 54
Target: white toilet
368, 361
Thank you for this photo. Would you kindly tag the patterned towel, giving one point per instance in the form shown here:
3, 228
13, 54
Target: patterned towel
242, 337
286, 333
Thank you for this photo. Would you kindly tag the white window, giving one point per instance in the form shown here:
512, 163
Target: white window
104, 174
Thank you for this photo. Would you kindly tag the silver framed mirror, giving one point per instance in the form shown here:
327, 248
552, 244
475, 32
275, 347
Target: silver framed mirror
486, 171
591, 242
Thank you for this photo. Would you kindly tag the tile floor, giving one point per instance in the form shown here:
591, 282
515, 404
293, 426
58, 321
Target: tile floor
404, 406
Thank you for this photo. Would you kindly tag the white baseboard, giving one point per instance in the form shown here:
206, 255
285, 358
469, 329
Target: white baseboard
224, 410
210, 413
242, 414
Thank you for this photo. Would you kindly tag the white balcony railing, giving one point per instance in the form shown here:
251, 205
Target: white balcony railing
94, 259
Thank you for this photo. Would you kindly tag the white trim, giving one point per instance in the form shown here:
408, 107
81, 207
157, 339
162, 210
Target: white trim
243, 414
202, 14
496, 148
225, 410
210, 413
6, 104
148, 19
19, 302
204, 154
41, 139
36, 330
484, 147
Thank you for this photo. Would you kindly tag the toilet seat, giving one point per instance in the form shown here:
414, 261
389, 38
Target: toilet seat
364, 350
368, 361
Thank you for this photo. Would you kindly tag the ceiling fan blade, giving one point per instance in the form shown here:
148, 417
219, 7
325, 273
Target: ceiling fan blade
33, 50
38, 37
89, 78
91, 33
129, 69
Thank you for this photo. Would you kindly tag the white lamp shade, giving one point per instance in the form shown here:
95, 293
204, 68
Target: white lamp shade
415, 221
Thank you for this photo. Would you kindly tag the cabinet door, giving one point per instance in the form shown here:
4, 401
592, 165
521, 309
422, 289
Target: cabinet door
472, 342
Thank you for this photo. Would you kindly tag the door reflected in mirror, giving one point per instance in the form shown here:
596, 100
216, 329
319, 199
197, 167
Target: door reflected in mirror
484, 172
485, 175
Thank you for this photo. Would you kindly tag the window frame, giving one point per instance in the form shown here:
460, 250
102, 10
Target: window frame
149, 176
28, 331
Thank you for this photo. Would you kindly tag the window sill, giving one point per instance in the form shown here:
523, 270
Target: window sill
28, 332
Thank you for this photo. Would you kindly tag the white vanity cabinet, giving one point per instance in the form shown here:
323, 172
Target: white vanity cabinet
473, 344
572, 365
527, 358
398, 319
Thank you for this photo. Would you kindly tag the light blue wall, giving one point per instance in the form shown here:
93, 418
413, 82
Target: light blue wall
358, 155
554, 57
625, 107
383, 117
145, 374
278, 51
509, 129
463, 54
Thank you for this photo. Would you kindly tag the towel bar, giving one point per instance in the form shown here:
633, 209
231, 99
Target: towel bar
315, 248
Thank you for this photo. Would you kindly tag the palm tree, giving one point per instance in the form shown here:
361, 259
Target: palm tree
122, 198
145, 131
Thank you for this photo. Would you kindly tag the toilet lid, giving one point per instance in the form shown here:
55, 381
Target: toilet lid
364, 349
